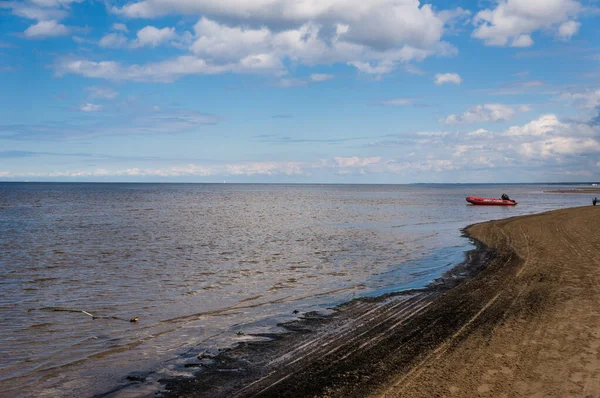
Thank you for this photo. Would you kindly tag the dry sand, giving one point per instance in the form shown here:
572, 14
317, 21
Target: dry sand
546, 338
527, 324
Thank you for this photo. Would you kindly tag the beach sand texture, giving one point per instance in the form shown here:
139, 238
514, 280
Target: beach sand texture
539, 333
527, 324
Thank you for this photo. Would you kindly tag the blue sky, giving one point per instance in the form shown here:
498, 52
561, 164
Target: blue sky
341, 91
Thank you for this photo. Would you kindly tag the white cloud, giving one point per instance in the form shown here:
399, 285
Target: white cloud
372, 36
152, 37
442, 78
320, 77
89, 107
45, 29
547, 138
568, 29
225, 43
485, 113
376, 68
328, 32
587, 99
113, 40
513, 21
47, 13
538, 127
522, 41
28, 11
559, 146
102, 92
148, 36
382, 23
120, 27
165, 71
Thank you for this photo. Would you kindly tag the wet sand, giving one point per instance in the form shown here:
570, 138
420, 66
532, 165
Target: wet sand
520, 318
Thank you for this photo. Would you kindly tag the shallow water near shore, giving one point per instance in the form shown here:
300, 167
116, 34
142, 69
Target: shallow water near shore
198, 263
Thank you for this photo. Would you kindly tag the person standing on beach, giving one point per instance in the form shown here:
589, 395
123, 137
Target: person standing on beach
594, 201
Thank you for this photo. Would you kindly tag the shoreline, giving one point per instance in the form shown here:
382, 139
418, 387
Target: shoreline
427, 342
263, 368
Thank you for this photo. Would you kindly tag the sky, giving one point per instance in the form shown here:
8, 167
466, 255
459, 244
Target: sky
300, 91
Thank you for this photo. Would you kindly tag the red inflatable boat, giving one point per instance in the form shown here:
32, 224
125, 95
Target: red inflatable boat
490, 201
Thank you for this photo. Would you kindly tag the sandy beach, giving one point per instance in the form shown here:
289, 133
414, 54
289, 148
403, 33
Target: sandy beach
520, 318
539, 334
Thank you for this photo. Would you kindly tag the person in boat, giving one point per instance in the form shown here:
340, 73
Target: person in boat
505, 197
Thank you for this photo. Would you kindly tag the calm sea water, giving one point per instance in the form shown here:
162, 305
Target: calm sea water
199, 262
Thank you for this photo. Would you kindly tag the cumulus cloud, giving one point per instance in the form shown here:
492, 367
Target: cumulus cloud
148, 36
538, 127
586, 99
559, 146
47, 13
383, 23
374, 37
485, 113
545, 144
441, 78
151, 37
377, 68
44, 29
547, 137
512, 22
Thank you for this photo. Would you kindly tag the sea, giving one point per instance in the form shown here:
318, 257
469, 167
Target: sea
205, 266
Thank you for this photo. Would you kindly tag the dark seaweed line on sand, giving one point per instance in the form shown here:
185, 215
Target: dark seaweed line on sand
361, 345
